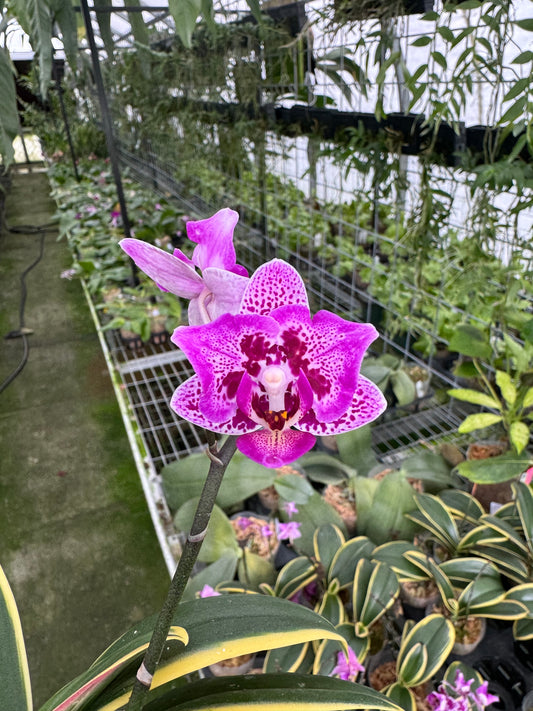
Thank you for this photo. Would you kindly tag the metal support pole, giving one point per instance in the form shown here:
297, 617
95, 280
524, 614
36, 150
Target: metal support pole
108, 128
59, 90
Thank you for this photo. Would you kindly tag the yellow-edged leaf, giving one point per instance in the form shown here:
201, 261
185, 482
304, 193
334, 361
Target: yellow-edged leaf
15, 689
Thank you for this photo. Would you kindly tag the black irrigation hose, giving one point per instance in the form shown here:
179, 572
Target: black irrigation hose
22, 331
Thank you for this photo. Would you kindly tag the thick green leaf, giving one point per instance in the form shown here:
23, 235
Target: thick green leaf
312, 514
325, 468
184, 480
462, 505
437, 519
276, 692
294, 488
9, 120
345, 561
254, 569
496, 469
431, 468
392, 553
218, 628
15, 689
402, 696
120, 655
220, 538
294, 576
332, 608
381, 516
328, 651
355, 449
326, 542
436, 634
375, 588
524, 501
403, 387
413, 665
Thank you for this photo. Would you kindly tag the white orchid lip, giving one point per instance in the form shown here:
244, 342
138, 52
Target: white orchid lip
274, 380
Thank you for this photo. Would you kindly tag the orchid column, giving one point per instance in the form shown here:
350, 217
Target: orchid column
267, 374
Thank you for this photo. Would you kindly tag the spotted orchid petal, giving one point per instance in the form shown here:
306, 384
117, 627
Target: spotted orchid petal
274, 284
273, 448
214, 239
168, 271
221, 351
185, 402
367, 404
329, 351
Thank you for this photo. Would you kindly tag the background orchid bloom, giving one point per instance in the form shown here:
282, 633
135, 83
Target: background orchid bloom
220, 286
274, 375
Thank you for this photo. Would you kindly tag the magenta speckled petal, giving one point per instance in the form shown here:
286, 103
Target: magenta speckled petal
220, 352
273, 448
214, 237
168, 271
328, 350
274, 284
185, 403
367, 404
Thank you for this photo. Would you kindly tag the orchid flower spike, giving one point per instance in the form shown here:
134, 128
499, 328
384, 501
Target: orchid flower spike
274, 375
220, 286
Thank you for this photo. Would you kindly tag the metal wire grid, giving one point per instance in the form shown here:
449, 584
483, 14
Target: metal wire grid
150, 375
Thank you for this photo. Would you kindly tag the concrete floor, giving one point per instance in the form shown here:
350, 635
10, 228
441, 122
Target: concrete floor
76, 539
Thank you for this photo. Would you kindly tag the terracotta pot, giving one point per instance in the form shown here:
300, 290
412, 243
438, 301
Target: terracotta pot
248, 529
473, 633
341, 499
419, 593
490, 494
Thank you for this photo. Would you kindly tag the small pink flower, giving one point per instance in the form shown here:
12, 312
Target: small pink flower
529, 476
288, 531
482, 696
243, 522
266, 531
347, 667
208, 591
290, 508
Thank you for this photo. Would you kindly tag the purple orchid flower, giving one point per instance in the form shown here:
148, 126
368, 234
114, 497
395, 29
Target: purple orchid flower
115, 215
271, 368
219, 288
290, 508
459, 696
347, 667
208, 591
288, 531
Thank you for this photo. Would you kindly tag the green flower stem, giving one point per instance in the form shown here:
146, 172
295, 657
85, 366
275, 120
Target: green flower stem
219, 462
